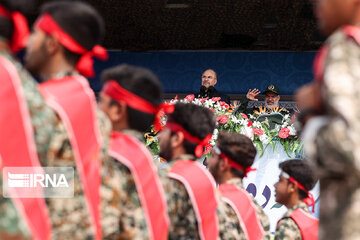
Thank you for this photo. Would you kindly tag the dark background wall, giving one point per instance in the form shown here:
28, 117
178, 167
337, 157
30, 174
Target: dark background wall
180, 71
219, 34
142, 25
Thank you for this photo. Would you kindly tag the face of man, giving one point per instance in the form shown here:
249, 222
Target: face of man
36, 55
281, 190
332, 14
208, 78
271, 99
166, 150
213, 165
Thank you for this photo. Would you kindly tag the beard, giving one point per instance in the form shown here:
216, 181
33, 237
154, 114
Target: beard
36, 60
166, 152
275, 104
214, 170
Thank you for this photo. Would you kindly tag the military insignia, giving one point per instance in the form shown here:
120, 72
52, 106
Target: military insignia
271, 87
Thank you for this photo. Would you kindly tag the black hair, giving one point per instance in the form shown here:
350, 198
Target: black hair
80, 20
239, 148
301, 171
198, 121
22, 6
141, 82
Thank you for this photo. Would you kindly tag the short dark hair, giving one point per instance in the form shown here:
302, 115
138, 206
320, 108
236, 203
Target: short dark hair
239, 148
301, 171
80, 20
210, 69
141, 82
198, 121
6, 25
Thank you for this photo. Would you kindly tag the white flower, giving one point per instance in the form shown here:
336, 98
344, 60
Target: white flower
234, 119
215, 134
264, 139
247, 131
284, 125
286, 116
292, 130
256, 124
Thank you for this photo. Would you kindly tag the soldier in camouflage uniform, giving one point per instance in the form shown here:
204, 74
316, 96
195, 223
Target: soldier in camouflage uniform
332, 141
123, 216
199, 122
69, 216
240, 149
12, 226
289, 194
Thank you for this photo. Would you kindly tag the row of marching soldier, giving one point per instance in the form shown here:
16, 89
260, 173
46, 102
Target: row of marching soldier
118, 191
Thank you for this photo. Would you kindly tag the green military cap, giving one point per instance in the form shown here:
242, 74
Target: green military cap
272, 88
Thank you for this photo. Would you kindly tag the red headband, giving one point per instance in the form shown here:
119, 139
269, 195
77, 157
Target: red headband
199, 150
21, 29
310, 199
116, 92
236, 165
85, 64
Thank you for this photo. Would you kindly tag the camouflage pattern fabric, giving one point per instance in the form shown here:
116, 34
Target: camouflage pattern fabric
122, 214
335, 147
70, 216
12, 226
286, 228
183, 221
234, 221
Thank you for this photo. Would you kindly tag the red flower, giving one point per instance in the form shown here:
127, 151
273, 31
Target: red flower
213, 110
224, 104
215, 99
284, 133
208, 148
222, 119
244, 116
203, 99
250, 123
176, 97
189, 97
258, 131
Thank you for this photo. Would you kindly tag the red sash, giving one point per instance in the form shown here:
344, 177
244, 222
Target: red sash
308, 225
200, 186
73, 100
245, 210
319, 63
18, 149
137, 158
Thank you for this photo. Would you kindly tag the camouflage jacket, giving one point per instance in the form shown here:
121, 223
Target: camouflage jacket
183, 221
42, 119
70, 216
122, 214
286, 228
334, 147
234, 221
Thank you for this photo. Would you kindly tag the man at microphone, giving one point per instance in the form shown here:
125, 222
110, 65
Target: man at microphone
208, 81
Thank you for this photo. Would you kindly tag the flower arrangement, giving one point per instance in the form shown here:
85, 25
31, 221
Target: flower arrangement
257, 127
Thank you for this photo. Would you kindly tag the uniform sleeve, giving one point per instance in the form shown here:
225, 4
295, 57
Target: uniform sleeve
287, 230
264, 220
229, 225
337, 140
183, 224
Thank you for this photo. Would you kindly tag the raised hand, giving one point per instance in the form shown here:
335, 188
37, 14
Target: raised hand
252, 94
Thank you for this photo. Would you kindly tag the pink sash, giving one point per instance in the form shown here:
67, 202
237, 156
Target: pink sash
18, 148
73, 100
137, 158
245, 210
308, 225
200, 186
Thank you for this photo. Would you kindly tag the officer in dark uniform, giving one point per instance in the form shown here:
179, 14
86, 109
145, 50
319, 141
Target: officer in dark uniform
208, 81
